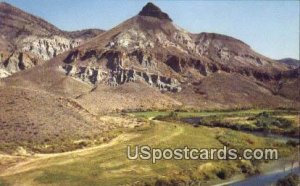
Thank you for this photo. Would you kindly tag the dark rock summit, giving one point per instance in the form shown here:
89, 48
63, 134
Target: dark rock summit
153, 11
150, 63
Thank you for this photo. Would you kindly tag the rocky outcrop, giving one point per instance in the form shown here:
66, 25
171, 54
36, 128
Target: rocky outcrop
47, 48
109, 67
85, 74
128, 64
34, 50
95, 75
23, 34
18, 61
183, 65
130, 39
4, 73
153, 11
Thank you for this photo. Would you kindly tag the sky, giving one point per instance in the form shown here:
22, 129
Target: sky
269, 27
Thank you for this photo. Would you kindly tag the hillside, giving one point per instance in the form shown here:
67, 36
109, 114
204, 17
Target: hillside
205, 70
290, 62
25, 34
72, 103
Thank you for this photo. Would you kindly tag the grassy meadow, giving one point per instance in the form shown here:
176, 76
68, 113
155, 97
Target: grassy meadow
107, 164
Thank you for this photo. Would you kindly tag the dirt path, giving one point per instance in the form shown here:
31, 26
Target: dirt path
179, 130
34, 162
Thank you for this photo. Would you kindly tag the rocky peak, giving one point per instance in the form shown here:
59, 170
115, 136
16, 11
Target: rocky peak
153, 11
26, 40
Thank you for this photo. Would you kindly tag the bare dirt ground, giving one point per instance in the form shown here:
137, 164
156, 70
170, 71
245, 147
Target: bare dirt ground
33, 162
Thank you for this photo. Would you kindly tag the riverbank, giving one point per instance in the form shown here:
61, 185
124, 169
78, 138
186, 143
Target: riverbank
268, 177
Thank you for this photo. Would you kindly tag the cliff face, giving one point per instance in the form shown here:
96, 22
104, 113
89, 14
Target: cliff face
18, 61
149, 53
39, 49
47, 48
153, 50
113, 70
23, 34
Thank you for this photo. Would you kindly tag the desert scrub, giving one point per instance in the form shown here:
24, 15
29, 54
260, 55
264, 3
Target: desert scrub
172, 116
266, 121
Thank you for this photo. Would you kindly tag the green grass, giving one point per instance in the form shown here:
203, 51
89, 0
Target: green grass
2, 183
150, 114
282, 122
109, 165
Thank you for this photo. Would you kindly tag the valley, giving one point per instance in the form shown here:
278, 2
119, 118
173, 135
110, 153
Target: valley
71, 102
107, 164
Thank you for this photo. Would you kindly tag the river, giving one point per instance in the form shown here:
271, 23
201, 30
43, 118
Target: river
277, 137
268, 177
265, 179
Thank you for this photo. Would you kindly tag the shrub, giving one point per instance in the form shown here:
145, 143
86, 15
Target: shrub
171, 116
247, 169
292, 143
221, 174
266, 121
282, 123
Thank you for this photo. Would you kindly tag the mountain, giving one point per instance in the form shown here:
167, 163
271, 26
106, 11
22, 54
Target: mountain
291, 63
22, 34
84, 34
147, 62
153, 11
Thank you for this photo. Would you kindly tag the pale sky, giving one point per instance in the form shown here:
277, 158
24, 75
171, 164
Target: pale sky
269, 27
